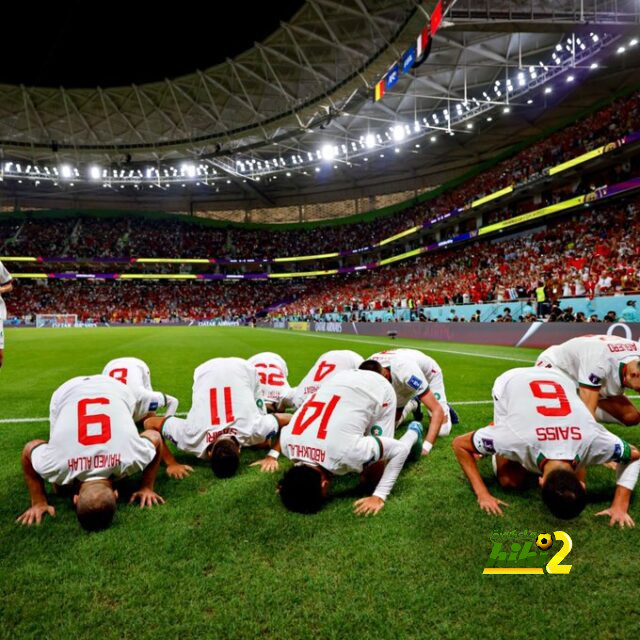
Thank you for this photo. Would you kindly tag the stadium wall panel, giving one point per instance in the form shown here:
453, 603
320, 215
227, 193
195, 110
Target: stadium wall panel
537, 335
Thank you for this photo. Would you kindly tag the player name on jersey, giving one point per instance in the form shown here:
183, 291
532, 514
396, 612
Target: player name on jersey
99, 461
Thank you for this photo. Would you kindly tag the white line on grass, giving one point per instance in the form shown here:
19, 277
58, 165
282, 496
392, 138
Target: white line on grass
451, 402
339, 336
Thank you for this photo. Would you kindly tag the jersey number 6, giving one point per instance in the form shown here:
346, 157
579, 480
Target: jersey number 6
101, 419
550, 390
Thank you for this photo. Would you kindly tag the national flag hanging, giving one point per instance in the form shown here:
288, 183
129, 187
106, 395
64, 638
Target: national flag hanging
422, 42
392, 78
379, 90
408, 59
436, 18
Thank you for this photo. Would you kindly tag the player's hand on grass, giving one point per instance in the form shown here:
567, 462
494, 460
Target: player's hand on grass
34, 514
618, 516
368, 506
147, 498
268, 464
179, 471
491, 505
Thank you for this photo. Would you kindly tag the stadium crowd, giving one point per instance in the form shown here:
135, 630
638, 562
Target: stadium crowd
592, 253
145, 237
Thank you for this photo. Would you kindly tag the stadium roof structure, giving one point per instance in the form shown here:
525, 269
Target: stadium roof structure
294, 119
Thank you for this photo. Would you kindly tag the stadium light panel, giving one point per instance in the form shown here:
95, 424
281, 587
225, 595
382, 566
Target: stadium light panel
594, 65
398, 133
327, 152
634, 42
548, 89
370, 141
489, 119
94, 172
433, 138
621, 50
506, 110
529, 101
469, 125
65, 171
570, 78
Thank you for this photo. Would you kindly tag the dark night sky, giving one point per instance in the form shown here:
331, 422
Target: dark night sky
86, 44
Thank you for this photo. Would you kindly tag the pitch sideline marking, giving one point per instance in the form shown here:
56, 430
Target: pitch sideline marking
183, 413
339, 336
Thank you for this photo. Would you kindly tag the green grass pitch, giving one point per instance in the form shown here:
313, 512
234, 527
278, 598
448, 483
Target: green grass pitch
223, 559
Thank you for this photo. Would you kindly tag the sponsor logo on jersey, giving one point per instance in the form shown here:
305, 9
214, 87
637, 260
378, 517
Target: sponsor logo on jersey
415, 382
558, 433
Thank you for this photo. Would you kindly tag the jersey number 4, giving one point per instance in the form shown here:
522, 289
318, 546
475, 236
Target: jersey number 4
323, 370
93, 428
317, 410
550, 390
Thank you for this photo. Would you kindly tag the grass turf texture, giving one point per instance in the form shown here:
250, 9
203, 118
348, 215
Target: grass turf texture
223, 559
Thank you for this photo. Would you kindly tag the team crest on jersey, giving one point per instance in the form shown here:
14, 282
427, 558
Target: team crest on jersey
414, 382
594, 379
376, 430
487, 445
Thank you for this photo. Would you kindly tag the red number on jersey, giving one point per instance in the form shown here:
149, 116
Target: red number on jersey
84, 420
228, 406
323, 370
324, 409
555, 392
119, 374
275, 379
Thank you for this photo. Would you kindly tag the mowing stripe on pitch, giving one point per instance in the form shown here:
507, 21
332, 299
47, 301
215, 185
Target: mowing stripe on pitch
387, 343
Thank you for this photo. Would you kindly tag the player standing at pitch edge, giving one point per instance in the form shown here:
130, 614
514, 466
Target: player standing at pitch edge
541, 427
602, 367
93, 440
6, 285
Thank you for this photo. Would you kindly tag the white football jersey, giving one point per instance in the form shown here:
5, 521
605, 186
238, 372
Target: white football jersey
131, 371
324, 368
272, 375
594, 362
338, 426
411, 370
225, 400
538, 416
5, 278
92, 433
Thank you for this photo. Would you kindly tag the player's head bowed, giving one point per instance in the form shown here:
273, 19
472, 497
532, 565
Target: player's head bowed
225, 457
304, 488
563, 493
95, 505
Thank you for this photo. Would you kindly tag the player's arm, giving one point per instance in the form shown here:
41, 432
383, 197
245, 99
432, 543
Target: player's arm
627, 478
35, 486
174, 468
464, 449
394, 454
590, 396
147, 496
429, 400
5, 288
171, 404
269, 464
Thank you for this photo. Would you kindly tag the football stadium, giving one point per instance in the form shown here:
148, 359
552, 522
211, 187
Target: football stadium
318, 320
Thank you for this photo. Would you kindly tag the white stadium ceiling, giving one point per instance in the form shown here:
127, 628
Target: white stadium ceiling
308, 87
